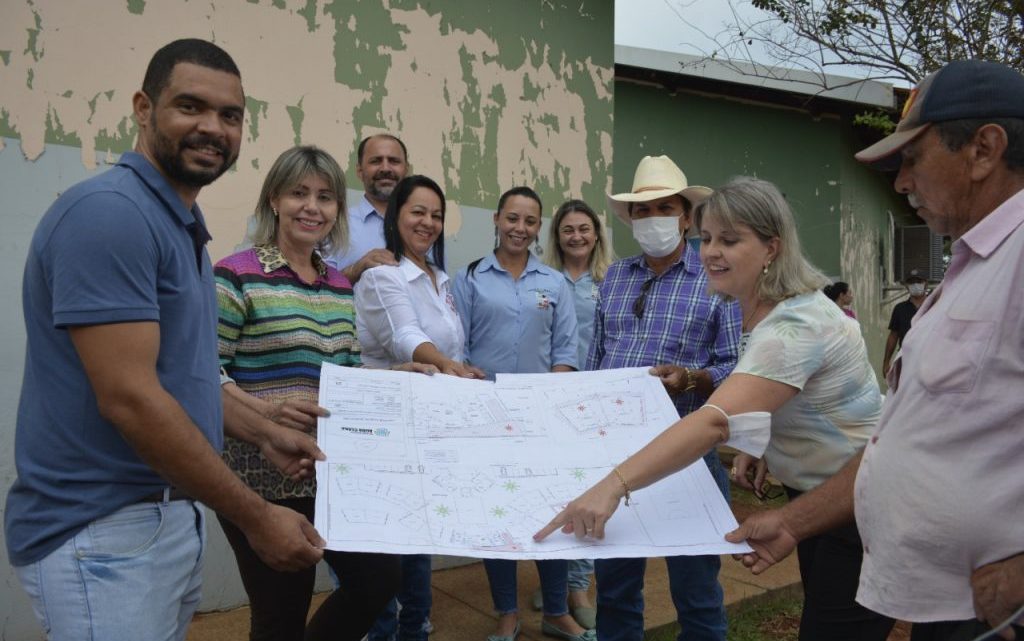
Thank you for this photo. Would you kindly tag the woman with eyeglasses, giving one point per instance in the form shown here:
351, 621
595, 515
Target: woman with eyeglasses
519, 318
802, 360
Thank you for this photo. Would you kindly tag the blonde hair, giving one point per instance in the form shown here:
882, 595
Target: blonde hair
600, 258
288, 170
758, 204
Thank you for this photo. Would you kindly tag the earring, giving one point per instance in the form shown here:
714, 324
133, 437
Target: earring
497, 238
274, 209
765, 269
537, 249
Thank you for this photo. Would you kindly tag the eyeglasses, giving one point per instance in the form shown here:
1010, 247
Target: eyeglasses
641, 301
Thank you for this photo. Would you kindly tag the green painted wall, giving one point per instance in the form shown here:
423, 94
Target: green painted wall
714, 138
842, 208
487, 95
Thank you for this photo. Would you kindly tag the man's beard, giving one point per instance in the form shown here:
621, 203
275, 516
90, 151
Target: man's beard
170, 158
382, 193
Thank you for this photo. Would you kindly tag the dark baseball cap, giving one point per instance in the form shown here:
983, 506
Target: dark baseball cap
962, 89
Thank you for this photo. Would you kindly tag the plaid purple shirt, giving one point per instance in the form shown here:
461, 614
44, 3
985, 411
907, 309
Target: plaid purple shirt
681, 324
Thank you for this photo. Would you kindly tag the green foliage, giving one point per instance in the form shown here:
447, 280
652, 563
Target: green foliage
893, 39
878, 120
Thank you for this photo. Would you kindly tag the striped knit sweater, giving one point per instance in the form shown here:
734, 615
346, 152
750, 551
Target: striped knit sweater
273, 334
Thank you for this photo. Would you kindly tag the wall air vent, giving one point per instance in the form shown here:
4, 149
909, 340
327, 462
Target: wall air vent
917, 247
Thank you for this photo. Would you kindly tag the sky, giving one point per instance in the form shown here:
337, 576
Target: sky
692, 27
684, 26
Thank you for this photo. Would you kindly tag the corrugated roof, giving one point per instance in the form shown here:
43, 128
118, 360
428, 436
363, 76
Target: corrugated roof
852, 90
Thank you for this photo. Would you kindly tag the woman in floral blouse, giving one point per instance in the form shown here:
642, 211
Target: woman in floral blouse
802, 360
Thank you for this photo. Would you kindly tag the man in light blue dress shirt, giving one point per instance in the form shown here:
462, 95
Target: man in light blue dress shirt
382, 161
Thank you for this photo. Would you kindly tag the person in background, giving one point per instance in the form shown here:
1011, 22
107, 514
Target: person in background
578, 247
841, 294
406, 312
519, 317
382, 161
902, 315
284, 312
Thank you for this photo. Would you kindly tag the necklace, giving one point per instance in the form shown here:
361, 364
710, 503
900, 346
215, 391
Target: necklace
745, 327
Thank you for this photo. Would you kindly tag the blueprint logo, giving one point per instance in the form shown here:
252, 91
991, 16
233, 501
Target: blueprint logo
367, 431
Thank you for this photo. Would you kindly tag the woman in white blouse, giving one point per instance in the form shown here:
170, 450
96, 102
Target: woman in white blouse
407, 313
802, 360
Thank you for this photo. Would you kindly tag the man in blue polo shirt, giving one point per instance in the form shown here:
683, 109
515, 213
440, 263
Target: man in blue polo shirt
654, 310
120, 419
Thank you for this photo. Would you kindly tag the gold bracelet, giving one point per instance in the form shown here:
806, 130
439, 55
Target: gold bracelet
625, 486
691, 380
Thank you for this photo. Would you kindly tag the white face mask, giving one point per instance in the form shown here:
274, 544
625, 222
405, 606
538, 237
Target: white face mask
916, 289
658, 235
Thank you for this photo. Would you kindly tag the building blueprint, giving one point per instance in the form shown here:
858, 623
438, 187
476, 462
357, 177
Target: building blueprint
444, 465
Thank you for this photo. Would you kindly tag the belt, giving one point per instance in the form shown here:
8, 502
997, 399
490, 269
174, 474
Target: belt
166, 494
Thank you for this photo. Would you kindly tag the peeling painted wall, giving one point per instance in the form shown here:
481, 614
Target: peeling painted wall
868, 205
486, 95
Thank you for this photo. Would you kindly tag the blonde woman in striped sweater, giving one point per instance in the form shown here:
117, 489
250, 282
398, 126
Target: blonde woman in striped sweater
283, 311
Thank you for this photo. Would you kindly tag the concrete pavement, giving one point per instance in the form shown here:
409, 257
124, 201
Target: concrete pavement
463, 611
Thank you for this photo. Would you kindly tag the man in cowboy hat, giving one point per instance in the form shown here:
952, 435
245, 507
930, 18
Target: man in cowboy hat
937, 493
654, 311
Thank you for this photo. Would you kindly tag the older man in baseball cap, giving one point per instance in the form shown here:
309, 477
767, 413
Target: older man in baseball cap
938, 493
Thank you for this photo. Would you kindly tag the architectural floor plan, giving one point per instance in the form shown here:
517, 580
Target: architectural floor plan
436, 464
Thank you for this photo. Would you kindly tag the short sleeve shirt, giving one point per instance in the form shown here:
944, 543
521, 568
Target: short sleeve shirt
112, 249
807, 342
516, 326
900, 320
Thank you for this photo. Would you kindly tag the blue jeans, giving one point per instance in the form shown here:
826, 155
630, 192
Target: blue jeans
693, 582
408, 623
133, 574
579, 574
501, 574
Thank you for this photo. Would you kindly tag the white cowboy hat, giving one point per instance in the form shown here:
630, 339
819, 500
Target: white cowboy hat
656, 177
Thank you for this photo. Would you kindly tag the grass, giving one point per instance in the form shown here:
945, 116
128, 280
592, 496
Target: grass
774, 617
740, 497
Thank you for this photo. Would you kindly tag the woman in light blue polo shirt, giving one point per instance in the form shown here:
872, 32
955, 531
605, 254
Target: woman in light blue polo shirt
578, 247
519, 317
